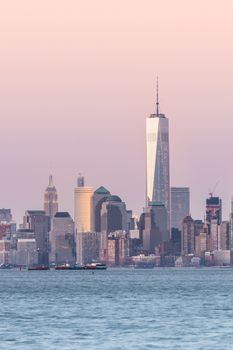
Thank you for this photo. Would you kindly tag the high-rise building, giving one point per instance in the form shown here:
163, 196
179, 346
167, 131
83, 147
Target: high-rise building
157, 147
83, 207
50, 199
213, 209
83, 211
180, 205
201, 244
231, 227
99, 197
224, 235
62, 243
26, 253
155, 231
38, 222
87, 247
188, 238
113, 215
5, 215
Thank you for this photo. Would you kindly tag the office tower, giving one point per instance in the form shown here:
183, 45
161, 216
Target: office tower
175, 242
180, 205
214, 235
201, 244
119, 248
5, 247
157, 148
5, 215
156, 231
39, 223
99, 197
213, 209
50, 199
231, 227
87, 247
199, 226
113, 251
62, 243
83, 206
113, 215
224, 235
187, 238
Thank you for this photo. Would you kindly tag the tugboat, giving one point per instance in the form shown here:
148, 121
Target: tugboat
96, 266
38, 268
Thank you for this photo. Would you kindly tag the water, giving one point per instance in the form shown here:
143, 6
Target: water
116, 309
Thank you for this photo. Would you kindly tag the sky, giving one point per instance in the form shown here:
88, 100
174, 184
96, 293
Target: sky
78, 79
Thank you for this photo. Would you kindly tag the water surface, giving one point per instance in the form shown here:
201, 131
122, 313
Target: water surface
116, 309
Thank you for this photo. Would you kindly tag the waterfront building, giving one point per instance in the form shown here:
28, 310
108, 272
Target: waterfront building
157, 148
87, 247
5, 247
113, 215
26, 253
156, 231
99, 197
62, 242
187, 242
39, 223
180, 205
50, 199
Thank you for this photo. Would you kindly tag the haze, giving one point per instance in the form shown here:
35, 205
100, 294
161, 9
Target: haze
78, 80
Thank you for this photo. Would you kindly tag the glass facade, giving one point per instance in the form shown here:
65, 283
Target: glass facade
157, 147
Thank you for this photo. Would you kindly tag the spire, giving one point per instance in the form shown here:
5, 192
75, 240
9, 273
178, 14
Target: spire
50, 180
157, 96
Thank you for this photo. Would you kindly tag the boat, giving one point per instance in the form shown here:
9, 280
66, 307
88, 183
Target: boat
69, 267
63, 267
38, 268
96, 266
5, 266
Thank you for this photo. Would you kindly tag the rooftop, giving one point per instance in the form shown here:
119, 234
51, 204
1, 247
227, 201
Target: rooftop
102, 190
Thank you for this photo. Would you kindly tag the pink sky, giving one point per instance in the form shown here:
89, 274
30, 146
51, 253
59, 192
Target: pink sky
78, 80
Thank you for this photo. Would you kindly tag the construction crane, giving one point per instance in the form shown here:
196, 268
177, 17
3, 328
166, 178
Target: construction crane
211, 192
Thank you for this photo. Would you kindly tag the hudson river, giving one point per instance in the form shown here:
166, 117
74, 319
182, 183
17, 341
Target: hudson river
117, 309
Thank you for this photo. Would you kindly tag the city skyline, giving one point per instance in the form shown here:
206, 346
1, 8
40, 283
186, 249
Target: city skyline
55, 89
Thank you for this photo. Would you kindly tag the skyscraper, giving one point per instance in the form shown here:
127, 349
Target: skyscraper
180, 206
83, 206
188, 237
50, 199
213, 209
113, 215
155, 232
99, 197
62, 246
38, 222
157, 147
